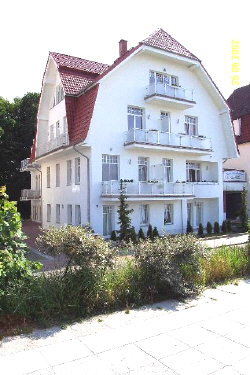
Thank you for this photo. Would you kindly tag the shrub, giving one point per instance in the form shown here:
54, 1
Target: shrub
224, 226
133, 236
189, 228
162, 264
150, 232
200, 230
81, 246
113, 236
209, 228
216, 227
141, 234
229, 226
155, 232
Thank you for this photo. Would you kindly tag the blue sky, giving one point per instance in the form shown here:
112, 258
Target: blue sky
91, 30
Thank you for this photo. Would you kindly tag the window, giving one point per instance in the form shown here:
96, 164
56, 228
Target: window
48, 177
191, 125
190, 213
65, 125
69, 214
168, 214
58, 214
57, 175
168, 169
110, 167
143, 169
59, 95
51, 132
165, 79
38, 182
193, 171
48, 213
165, 122
237, 126
107, 220
144, 214
199, 213
135, 118
78, 219
77, 171
69, 172
57, 129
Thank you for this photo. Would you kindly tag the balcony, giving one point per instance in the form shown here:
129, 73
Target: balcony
175, 96
52, 145
27, 165
28, 194
143, 138
150, 190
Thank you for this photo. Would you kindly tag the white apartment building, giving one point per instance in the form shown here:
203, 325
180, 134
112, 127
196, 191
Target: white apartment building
154, 117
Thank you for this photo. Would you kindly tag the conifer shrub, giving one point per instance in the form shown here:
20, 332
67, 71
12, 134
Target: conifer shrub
141, 234
216, 227
229, 226
155, 232
224, 226
200, 230
189, 228
150, 232
113, 236
133, 236
209, 228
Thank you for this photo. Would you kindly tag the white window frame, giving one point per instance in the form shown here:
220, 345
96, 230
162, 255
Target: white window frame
48, 177
111, 161
144, 214
168, 214
165, 115
143, 163
77, 171
59, 94
196, 167
69, 172
190, 213
107, 214
168, 169
78, 218
69, 214
48, 212
163, 78
191, 125
57, 175
58, 213
135, 113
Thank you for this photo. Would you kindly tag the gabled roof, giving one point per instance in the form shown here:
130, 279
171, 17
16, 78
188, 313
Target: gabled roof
161, 39
239, 102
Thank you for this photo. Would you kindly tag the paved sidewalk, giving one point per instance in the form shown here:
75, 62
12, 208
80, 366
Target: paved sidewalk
227, 239
208, 335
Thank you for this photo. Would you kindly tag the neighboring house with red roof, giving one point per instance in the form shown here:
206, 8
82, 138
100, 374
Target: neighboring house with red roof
239, 103
154, 117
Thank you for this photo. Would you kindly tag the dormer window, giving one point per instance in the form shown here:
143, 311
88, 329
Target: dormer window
59, 95
161, 78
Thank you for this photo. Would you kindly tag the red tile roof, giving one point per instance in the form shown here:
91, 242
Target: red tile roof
161, 39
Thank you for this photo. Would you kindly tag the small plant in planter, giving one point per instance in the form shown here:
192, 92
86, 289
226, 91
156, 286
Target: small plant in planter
113, 236
150, 232
200, 230
189, 228
209, 228
141, 234
224, 226
155, 232
216, 227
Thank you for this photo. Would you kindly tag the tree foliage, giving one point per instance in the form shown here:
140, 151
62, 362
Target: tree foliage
123, 214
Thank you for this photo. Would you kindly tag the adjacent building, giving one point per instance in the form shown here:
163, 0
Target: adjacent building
154, 117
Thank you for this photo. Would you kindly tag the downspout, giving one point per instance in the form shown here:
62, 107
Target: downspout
88, 183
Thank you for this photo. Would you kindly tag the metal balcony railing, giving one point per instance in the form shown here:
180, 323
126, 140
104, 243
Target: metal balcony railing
156, 137
28, 194
53, 144
174, 92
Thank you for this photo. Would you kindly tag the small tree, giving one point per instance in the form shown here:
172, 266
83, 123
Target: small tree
200, 230
155, 232
189, 227
243, 211
150, 232
113, 236
216, 227
209, 228
141, 234
133, 236
123, 214
224, 226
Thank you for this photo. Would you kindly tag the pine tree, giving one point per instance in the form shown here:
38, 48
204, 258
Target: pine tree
123, 214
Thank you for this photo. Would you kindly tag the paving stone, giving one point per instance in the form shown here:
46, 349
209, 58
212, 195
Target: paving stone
87, 366
193, 335
221, 325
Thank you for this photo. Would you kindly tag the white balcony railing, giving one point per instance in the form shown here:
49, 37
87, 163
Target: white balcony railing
27, 165
53, 144
148, 188
170, 91
156, 137
28, 194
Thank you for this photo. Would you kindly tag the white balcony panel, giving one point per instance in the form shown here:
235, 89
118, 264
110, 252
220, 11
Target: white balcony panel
28, 194
53, 144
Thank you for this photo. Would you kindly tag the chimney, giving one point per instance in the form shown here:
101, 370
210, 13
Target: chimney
122, 47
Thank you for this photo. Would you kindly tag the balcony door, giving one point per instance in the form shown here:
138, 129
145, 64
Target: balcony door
165, 122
